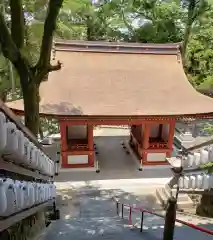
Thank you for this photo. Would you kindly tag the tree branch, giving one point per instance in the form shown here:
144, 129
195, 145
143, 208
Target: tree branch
8, 47
17, 23
129, 26
55, 67
10, 51
43, 74
49, 28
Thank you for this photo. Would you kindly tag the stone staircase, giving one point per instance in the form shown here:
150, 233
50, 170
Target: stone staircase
91, 214
184, 201
96, 219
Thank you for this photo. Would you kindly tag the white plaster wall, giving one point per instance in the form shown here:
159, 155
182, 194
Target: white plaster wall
77, 132
77, 159
165, 132
156, 157
154, 130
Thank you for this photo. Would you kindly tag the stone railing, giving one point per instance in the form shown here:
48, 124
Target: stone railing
196, 177
27, 173
195, 170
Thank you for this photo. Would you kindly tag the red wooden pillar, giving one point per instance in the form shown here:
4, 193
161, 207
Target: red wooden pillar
145, 142
160, 130
171, 137
63, 131
90, 145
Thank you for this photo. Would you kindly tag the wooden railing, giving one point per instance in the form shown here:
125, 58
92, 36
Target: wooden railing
23, 160
157, 145
79, 147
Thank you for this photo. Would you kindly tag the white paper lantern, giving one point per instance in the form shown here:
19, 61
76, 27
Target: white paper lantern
181, 182
199, 181
20, 154
211, 181
36, 155
12, 140
186, 182
30, 153
19, 195
3, 197
25, 159
204, 156
31, 194
206, 182
11, 197
197, 159
193, 182
40, 161
190, 159
51, 168
26, 195
34, 160
210, 158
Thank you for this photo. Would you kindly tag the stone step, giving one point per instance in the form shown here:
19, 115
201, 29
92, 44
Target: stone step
184, 201
161, 196
96, 219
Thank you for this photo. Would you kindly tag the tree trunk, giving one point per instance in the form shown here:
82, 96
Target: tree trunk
3, 96
41, 131
205, 207
89, 27
31, 106
186, 40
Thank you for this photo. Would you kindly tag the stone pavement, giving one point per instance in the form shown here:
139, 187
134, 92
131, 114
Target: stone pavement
114, 162
93, 216
87, 209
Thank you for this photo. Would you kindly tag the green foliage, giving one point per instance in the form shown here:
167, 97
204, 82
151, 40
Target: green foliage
4, 76
144, 21
200, 53
207, 167
164, 22
49, 126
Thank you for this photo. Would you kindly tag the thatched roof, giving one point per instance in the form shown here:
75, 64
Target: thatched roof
122, 79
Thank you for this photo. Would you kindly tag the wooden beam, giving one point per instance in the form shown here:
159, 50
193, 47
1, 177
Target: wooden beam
90, 145
103, 121
146, 135
8, 222
171, 137
160, 130
132, 120
11, 167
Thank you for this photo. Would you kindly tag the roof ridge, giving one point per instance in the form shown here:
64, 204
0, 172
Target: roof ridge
117, 47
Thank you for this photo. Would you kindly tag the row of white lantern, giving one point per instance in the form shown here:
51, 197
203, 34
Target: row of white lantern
198, 158
16, 147
19, 195
199, 181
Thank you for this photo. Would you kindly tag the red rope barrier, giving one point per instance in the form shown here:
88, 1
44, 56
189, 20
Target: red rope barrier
205, 230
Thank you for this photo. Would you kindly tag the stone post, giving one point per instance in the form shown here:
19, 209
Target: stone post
169, 225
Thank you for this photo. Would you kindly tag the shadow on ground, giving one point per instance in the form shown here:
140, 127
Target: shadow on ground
95, 217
